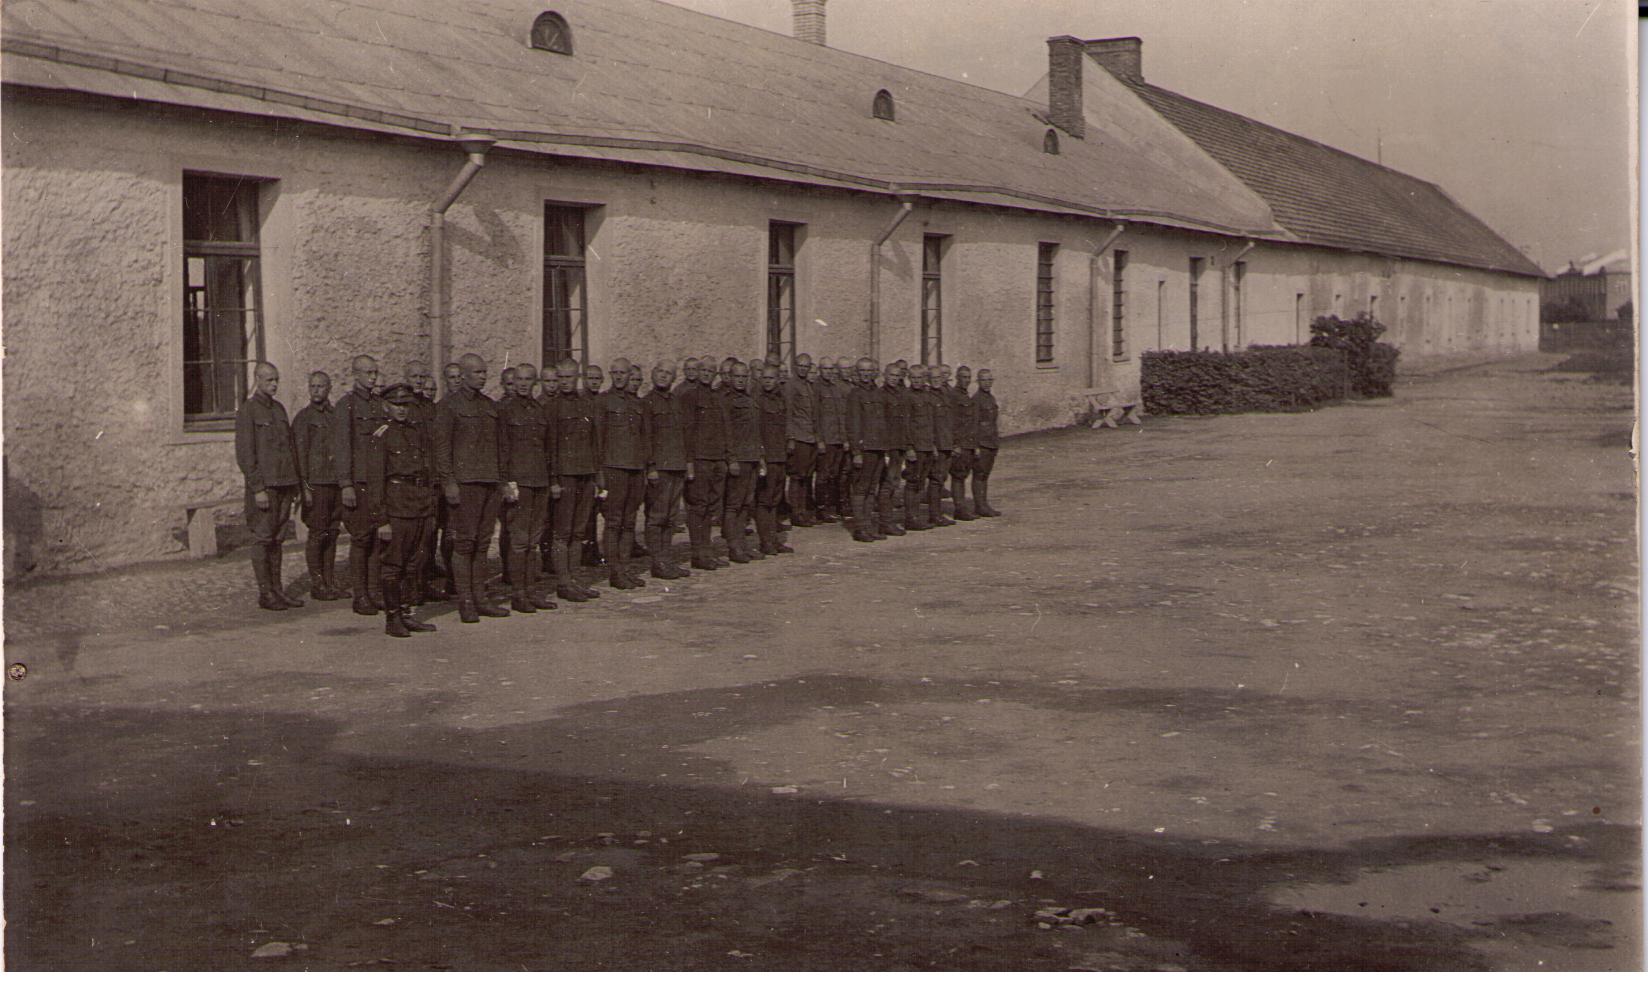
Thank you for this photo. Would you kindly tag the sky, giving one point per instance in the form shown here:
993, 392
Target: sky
1521, 109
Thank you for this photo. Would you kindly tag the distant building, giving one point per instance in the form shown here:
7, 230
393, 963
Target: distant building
1599, 292
192, 185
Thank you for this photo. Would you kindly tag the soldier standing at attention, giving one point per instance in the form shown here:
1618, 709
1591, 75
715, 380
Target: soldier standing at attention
415, 586
572, 423
849, 473
663, 436
453, 376
897, 410
313, 434
744, 464
944, 443
704, 415
989, 439
637, 386
589, 552
621, 449
801, 408
466, 464
831, 426
918, 472
506, 388
402, 483
523, 458
867, 436
776, 446
360, 415
964, 424
268, 459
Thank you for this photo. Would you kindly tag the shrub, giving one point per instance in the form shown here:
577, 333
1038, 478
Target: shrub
1260, 379
1372, 363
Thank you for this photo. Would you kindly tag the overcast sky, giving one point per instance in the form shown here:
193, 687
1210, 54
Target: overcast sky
1520, 109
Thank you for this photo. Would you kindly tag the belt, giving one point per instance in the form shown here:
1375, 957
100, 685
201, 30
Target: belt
418, 481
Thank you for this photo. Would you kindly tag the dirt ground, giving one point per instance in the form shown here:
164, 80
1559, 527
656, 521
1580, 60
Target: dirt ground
1355, 689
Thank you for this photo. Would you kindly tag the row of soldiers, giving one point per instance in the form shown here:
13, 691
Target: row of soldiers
849, 442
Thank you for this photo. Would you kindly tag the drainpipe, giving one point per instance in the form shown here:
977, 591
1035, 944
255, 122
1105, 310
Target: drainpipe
875, 275
1093, 305
475, 145
1224, 296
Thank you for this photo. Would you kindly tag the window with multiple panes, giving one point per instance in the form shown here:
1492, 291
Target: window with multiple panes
1118, 305
566, 305
1238, 273
1045, 253
932, 299
1161, 312
781, 246
222, 303
1195, 300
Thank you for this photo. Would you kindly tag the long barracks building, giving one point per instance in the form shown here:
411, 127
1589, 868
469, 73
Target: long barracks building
191, 185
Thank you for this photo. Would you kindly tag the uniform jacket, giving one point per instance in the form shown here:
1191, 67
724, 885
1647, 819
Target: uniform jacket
572, 427
743, 427
466, 438
664, 431
866, 419
704, 413
523, 442
831, 417
355, 449
775, 424
312, 430
895, 400
921, 421
988, 414
801, 406
401, 482
263, 444
620, 434
963, 421
944, 438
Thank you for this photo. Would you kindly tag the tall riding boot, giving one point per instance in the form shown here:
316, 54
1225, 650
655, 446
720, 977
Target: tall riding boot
914, 508
565, 587
981, 495
329, 564
476, 569
958, 493
392, 623
275, 582
359, 551
935, 508
447, 546
313, 552
260, 570
374, 574
460, 566
884, 507
698, 541
536, 587
612, 549
520, 586
801, 516
732, 530
628, 547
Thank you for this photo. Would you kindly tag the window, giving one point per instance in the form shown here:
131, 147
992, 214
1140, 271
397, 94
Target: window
1045, 252
1118, 305
1161, 304
1373, 306
1050, 142
222, 317
550, 32
566, 306
1299, 317
932, 299
1195, 297
781, 243
1238, 273
882, 107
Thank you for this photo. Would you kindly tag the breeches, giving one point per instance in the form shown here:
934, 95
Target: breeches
268, 525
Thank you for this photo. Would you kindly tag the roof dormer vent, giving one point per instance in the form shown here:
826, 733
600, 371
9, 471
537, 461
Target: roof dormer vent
882, 107
550, 32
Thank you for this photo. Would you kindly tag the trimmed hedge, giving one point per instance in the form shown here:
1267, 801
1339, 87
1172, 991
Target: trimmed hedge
1372, 363
1260, 379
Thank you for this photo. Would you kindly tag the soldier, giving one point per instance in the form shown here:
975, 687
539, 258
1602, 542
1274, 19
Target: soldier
944, 443
268, 459
801, 407
774, 404
704, 415
830, 425
638, 549
466, 464
989, 439
401, 483
572, 423
964, 423
506, 388
919, 471
867, 436
895, 402
453, 374
312, 432
620, 446
744, 465
416, 586
523, 458
848, 480
360, 415
668, 467
590, 548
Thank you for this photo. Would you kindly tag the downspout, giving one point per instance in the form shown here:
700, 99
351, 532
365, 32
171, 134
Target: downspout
875, 275
1093, 306
475, 145
1229, 277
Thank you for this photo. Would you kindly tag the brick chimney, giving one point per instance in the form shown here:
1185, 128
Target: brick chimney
1123, 57
809, 20
1064, 84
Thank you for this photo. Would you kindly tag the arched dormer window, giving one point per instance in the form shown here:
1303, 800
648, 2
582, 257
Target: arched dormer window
882, 107
1050, 142
550, 32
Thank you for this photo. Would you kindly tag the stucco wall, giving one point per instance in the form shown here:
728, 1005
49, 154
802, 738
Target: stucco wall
98, 462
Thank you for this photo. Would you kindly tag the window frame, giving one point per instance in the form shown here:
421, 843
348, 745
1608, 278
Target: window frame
883, 106
933, 247
559, 270
1238, 273
1118, 304
563, 29
1046, 303
781, 318
1197, 265
247, 255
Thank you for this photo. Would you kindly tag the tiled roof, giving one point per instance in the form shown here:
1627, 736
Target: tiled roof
1326, 196
646, 79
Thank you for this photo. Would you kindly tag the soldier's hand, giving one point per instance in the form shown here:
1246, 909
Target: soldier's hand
733, 469
858, 460
652, 475
600, 482
555, 491
262, 499
451, 491
385, 533
910, 455
761, 470
512, 491
348, 496
690, 472
308, 496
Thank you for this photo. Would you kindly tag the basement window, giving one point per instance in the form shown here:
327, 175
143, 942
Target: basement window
882, 107
551, 32
1050, 142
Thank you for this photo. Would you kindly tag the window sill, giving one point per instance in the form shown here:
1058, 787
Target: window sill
202, 435
1047, 367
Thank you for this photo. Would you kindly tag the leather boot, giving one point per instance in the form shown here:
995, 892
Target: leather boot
536, 592
275, 555
935, 510
520, 598
484, 606
981, 496
958, 493
392, 623
446, 549
409, 619
374, 575
357, 579
260, 570
913, 507
313, 551
565, 587
460, 567
329, 564
887, 526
